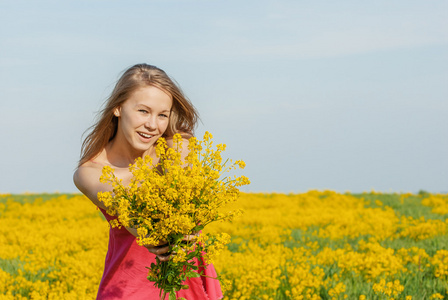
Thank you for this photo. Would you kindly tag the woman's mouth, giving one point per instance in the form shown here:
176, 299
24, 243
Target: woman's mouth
145, 135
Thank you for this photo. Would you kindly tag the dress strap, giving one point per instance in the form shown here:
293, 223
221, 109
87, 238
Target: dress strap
95, 162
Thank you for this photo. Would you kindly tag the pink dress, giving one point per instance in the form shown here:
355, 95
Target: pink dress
125, 272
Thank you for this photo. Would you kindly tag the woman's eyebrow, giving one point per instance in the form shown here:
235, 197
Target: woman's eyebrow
149, 108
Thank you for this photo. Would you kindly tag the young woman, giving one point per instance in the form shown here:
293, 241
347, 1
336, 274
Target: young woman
144, 105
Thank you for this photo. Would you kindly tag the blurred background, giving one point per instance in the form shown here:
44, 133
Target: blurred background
345, 95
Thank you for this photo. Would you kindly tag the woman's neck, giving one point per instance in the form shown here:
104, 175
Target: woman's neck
121, 155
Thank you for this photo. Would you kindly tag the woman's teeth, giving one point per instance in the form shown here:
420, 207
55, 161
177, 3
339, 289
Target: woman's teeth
145, 135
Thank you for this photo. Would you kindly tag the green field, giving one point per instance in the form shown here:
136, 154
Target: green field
315, 245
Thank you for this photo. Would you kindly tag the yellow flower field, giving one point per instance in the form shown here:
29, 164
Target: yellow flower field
315, 245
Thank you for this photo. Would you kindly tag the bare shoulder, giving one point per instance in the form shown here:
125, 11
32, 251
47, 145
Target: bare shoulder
84, 176
87, 180
185, 138
184, 143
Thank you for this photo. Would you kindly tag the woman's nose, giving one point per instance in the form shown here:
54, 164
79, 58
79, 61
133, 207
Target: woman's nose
150, 123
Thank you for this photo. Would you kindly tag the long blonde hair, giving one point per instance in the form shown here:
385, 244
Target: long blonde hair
183, 116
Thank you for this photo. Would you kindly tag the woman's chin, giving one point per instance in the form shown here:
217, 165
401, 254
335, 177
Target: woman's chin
143, 147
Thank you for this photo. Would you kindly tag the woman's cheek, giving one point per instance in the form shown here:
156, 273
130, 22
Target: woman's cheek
165, 126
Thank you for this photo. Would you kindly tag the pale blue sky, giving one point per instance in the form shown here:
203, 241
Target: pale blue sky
340, 95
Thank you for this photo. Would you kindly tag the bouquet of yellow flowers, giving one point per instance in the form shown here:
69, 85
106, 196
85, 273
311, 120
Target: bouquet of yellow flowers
172, 199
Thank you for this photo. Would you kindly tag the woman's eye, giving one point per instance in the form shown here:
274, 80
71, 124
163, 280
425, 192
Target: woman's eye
143, 111
164, 116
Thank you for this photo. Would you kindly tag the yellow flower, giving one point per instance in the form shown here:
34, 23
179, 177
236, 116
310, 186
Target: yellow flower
174, 198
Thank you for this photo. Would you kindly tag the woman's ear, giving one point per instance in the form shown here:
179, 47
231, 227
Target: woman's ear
117, 111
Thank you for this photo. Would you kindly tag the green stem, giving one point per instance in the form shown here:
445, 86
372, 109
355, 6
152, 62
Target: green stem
164, 295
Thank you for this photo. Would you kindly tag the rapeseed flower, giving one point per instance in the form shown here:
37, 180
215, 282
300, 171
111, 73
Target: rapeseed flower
281, 249
173, 198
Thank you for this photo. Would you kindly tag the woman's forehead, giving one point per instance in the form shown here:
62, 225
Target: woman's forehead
150, 95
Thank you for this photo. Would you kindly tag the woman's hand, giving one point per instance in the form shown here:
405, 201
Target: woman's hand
161, 250
191, 237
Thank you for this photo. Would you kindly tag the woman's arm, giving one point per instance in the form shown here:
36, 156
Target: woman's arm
86, 179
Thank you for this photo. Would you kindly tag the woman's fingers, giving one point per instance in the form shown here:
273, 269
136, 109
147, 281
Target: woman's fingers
158, 250
165, 256
190, 237
162, 243
161, 250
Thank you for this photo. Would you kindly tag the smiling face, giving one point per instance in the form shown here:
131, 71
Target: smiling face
143, 118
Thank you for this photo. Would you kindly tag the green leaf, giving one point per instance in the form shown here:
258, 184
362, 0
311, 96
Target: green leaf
191, 255
192, 274
198, 228
172, 296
